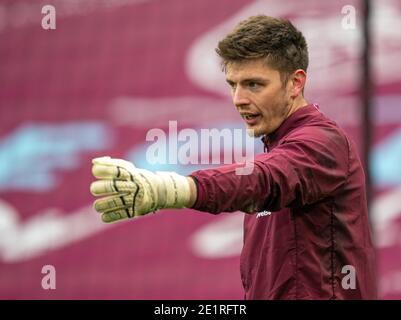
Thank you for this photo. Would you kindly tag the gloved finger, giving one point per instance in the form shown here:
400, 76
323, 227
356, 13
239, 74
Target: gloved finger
111, 187
116, 215
113, 203
101, 171
108, 168
113, 162
120, 214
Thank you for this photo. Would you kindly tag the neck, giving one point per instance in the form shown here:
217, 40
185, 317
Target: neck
296, 104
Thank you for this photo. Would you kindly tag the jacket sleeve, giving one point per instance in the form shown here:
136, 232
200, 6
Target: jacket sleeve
304, 168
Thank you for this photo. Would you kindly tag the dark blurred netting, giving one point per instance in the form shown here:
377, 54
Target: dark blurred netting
367, 94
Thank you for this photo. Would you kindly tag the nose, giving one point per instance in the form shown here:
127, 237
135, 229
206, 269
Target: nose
240, 97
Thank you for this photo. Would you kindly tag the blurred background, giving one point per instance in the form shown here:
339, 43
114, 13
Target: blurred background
112, 70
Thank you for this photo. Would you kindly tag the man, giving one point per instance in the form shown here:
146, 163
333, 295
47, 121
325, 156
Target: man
306, 234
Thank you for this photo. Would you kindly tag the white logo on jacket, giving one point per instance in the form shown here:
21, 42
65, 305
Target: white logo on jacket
263, 213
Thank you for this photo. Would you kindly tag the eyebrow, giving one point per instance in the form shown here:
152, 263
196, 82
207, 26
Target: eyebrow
247, 80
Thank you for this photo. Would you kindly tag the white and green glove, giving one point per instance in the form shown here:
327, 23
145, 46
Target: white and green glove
129, 192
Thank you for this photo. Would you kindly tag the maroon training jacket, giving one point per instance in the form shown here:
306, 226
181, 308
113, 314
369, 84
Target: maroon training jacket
309, 235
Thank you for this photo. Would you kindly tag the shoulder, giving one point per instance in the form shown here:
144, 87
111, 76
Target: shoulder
323, 142
321, 131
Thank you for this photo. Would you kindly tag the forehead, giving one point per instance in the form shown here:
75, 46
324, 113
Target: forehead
249, 69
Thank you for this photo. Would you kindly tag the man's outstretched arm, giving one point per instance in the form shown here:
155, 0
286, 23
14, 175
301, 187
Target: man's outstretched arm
305, 169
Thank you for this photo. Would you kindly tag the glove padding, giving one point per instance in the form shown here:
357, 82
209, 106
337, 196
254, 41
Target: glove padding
129, 192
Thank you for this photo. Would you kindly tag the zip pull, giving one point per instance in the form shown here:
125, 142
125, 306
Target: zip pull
265, 141
316, 106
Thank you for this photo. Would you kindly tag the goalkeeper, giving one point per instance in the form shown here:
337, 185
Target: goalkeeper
311, 239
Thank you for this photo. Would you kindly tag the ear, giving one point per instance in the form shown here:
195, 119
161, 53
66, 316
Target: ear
298, 80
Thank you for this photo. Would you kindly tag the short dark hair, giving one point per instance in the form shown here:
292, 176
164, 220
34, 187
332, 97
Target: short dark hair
275, 39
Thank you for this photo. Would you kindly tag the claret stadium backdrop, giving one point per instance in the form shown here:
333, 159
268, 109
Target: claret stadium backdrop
106, 73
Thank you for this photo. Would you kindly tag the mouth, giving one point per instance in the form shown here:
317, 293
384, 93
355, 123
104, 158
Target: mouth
250, 118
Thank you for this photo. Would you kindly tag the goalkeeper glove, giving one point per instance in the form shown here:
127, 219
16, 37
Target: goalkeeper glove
129, 192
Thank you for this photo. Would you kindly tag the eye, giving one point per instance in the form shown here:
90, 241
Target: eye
232, 85
253, 85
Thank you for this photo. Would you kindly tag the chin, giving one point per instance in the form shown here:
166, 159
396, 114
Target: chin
254, 133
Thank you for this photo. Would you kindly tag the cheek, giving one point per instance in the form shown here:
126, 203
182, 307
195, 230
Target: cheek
275, 105
274, 100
